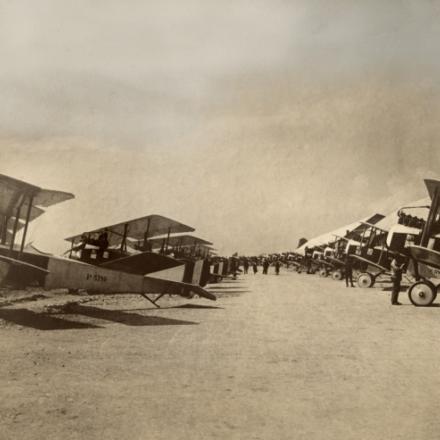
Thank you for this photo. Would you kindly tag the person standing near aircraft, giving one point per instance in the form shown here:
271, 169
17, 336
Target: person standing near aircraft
102, 243
265, 266
254, 267
348, 270
396, 278
246, 265
277, 267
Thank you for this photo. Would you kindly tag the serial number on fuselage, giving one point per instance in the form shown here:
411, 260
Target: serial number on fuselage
96, 277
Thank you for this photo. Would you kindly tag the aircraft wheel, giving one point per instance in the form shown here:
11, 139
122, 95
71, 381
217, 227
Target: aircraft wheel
422, 294
337, 275
322, 272
365, 280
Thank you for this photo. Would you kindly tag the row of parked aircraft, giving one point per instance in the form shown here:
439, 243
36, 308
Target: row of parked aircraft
142, 255
372, 243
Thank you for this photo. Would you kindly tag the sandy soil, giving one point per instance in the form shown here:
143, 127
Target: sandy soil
288, 357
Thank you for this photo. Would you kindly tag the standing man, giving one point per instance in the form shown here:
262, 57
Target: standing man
246, 265
254, 267
277, 267
265, 266
396, 278
348, 270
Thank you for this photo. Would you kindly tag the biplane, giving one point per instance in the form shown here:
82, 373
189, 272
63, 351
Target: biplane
225, 267
20, 202
425, 257
137, 247
341, 247
341, 240
378, 246
193, 251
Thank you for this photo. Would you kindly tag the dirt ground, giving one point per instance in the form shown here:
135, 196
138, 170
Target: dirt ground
287, 357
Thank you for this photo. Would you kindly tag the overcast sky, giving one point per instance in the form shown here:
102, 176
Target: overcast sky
256, 122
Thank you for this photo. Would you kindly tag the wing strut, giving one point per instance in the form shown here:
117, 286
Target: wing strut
28, 217
155, 300
14, 232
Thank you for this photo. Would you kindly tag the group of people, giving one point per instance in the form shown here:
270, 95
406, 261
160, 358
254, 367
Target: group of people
265, 264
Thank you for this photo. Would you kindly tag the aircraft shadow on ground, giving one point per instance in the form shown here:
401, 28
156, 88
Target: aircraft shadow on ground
194, 306
222, 288
390, 289
122, 317
41, 321
228, 292
183, 306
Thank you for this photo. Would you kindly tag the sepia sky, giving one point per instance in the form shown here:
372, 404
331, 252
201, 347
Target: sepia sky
256, 122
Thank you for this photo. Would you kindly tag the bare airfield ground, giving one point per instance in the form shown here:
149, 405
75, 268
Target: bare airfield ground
288, 357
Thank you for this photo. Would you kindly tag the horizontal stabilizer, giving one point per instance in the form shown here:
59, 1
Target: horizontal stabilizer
23, 264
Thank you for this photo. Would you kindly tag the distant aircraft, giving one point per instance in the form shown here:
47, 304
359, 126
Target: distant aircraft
19, 203
187, 249
343, 240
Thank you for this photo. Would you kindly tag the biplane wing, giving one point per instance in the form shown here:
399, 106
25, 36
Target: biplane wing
351, 228
15, 193
20, 203
139, 229
142, 263
179, 241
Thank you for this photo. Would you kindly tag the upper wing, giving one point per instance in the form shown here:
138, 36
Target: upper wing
14, 192
48, 197
180, 240
137, 229
351, 229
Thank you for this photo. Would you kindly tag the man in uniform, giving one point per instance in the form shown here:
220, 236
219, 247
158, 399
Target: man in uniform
348, 270
277, 267
396, 278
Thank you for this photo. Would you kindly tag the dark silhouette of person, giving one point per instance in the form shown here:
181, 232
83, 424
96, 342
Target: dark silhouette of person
277, 267
246, 265
102, 243
254, 267
265, 266
348, 270
396, 278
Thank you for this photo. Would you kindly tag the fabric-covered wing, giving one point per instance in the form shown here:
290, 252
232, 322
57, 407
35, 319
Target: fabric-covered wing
14, 191
180, 240
48, 197
152, 225
340, 232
